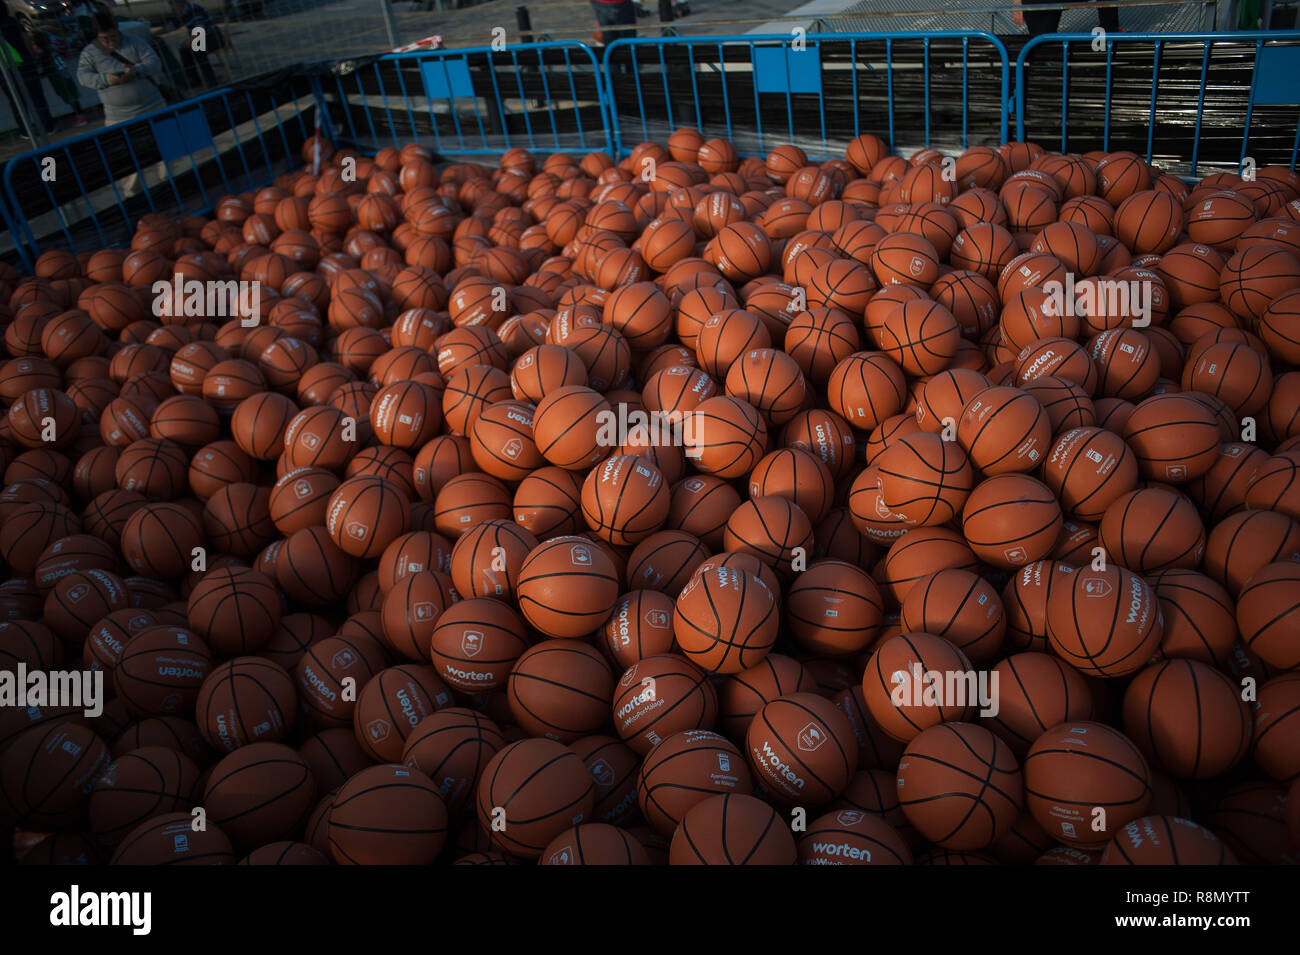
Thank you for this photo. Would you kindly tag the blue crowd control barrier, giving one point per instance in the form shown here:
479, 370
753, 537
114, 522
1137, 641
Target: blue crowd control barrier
1182, 100
477, 101
915, 89
88, 191
1188, 102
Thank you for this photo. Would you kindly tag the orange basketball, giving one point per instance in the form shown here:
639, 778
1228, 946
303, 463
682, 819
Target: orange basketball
732, 829
1037, 692
725, 620
1219, 218
1004, 430
485, 560
625, 499
543, 788
1153, 529
567, 587
567, 427
1236, 373
771, 381
365, 514
1149, 221
1011, 520
961, 607
1174, 437
893, 685
560, 689
1077, 766
834, 608
1245, 541
902, 258
960, 786
1187, 718
475, 642
501, 439
725, 436
802, 749
866, 388
924, 479
661, 695
1103, 622
1089, 469
405, 415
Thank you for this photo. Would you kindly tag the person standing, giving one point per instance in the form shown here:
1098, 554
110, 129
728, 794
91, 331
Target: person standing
20, 64
1039, 22
191, 16
614, 13
52, 65
119, 68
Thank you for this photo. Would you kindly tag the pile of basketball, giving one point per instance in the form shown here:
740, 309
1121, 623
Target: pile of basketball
973, 534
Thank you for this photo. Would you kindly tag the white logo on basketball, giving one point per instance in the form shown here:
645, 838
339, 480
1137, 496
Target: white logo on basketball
811, 738
1096, 586
471, 642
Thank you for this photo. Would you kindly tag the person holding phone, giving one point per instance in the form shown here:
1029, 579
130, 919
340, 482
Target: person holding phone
119, 68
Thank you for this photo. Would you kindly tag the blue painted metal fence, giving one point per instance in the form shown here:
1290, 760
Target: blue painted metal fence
478, 101
948, 90
82, 192
1138, 89
818, 90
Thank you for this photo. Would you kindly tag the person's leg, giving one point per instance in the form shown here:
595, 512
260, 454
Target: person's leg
36, 93
204, 61
1039, 22
189, 66
1108, 17
615, 14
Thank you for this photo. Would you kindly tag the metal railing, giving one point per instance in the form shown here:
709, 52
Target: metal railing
1186, 101
1182, 100
88, 191
914, 89
476, 101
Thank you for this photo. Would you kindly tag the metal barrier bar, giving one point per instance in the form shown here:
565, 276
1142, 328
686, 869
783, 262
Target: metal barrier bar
99, 183
1242, 114
478, 101
800, 83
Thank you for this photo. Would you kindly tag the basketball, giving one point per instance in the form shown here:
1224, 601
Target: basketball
1153, 529
834, 608
452, 746
684, 770
1166, 840
387, 815
1264, 613
529, 793
259, 793
725, 620
1187, 718
1010, 520
959, 786
1037, 693
1078, 767
924, 479
567, 587
138, 786
1103, 622
245, 700
961, 607
732, 829
560, 689
661, 695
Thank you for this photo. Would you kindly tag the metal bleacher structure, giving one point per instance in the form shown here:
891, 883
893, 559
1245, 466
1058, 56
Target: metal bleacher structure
1192, 103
